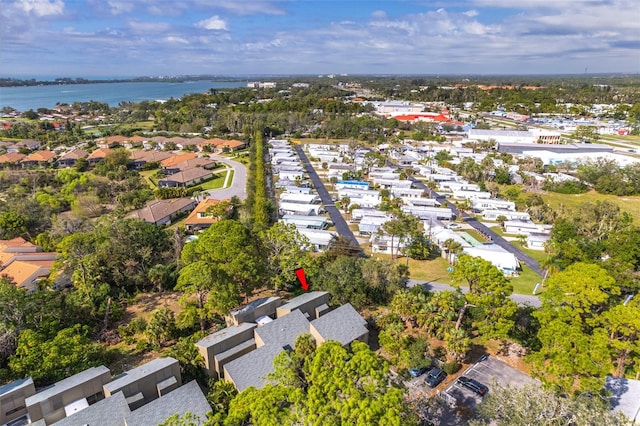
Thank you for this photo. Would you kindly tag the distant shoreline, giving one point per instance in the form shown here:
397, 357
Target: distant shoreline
15, 82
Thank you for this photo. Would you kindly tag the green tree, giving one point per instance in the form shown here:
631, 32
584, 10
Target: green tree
235, 251
488, 293
161, 327
69, 352
286, 250
531, 404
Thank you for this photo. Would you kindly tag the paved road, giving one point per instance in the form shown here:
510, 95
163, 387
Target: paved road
481, 228
520, 299
238, 186
336, 217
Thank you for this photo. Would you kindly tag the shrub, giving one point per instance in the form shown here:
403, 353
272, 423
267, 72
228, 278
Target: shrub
451, 367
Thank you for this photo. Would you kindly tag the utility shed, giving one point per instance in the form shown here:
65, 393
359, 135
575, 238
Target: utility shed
343, 325
306, 303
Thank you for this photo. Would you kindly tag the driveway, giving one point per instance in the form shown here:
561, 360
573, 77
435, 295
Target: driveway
520, 299
238, 186
336, 217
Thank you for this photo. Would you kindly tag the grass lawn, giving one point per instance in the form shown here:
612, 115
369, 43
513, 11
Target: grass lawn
216, 183
524, 283
572, 201
151, 181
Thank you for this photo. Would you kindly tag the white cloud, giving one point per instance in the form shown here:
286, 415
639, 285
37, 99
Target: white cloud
471, 13
176, 40
42, 7
246, 7
213, 23
379, 14
149, 27
117, 7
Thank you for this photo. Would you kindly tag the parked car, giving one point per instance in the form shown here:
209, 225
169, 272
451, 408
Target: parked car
473, 385
415, 372
435, 377
454, 226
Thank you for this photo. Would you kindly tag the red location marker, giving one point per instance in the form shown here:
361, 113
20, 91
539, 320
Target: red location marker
303, 280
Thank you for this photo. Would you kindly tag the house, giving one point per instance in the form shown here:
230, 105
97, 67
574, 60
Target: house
221, 145
253, 346
319, 240
387, 244
361, 197
482, 204
407, 192
147, 382
200, 218
351, 184
38, 159
201, 162
142, 157
11, 159
174, 160
500, 258
67, 396
27, 144
537, 241
524, 227
13, 408
186, 399
369, 225
510, 215
309, 222
471, 195
426, 212
161, 212
98, 155
27, 274
189, 177
69, 159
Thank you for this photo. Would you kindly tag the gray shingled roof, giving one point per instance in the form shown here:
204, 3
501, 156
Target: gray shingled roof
251, 369
107, 412
68, 383
302, 299
137, 373
224, 334
284, 330
343, 325
186, 399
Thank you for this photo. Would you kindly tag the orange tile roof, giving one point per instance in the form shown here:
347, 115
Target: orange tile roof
22, 271
99, 153
11, 157
39, 156
177, 159
195, 217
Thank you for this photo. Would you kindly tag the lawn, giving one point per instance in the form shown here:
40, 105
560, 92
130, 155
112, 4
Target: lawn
216, 183
525, 282
572, 201
148, 177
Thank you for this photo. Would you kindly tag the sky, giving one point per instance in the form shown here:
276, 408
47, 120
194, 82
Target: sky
73, 38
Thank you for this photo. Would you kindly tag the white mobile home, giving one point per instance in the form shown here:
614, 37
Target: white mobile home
481, 205
407, 192
510, 215
424, 212
525, 227
320, 240
470, 195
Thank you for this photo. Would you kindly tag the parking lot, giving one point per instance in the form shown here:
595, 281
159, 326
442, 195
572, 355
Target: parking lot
488, 371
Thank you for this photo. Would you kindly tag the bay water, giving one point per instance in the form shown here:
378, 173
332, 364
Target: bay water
25, 98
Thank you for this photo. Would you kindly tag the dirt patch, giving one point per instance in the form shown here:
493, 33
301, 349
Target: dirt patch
146, 303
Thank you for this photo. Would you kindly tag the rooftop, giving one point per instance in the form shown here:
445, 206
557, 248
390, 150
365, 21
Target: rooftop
137, 373
186, 399
224, 334
251, 369
343, 325
284, 330
68, 383
107, 412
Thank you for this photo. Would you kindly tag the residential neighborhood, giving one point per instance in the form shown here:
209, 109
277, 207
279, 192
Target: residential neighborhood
294, 249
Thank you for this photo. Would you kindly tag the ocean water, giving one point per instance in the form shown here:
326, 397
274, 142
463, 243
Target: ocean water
34, 97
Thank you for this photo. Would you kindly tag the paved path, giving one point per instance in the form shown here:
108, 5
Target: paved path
481, 228
520, 299
238, 186
336, 217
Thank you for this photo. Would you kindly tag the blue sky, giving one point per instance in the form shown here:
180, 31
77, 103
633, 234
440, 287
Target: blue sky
76, 38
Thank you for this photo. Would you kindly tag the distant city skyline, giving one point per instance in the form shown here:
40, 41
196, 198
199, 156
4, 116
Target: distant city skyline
95, 38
